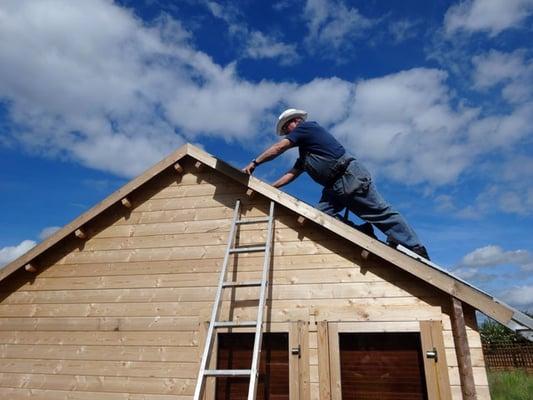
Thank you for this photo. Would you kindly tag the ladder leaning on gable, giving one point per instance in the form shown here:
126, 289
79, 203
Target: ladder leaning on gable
253, 372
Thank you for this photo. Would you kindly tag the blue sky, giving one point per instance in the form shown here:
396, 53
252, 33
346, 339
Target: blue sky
435, 97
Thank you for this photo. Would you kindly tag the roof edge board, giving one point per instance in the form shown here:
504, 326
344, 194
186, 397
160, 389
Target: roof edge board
88, 215
436, 277
520, 323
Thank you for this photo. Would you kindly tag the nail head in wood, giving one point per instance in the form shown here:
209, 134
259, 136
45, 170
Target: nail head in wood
178, 168
365, 254
199, 166
301, 220
80, 234
30, 268
126, 202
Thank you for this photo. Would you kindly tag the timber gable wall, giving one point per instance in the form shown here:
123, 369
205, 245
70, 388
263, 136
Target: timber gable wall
125, 310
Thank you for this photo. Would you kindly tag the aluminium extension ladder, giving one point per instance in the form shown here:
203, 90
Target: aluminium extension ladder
253, 372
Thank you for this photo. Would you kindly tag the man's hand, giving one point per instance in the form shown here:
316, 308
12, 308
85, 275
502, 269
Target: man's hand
249, 169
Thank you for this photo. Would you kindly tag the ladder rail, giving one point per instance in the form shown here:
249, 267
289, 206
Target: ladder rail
253, 372
216, 305
252, 389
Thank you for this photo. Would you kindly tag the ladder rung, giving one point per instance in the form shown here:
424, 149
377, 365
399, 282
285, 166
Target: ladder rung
250, 249
234, 324
252, 221
228, 372
241, 284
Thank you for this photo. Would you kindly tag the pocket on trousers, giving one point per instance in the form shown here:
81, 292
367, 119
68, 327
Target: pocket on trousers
357, 179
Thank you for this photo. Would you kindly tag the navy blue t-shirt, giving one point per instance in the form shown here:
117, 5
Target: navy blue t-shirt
312, 138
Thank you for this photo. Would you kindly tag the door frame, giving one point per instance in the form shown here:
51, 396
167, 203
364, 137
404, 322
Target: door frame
298, 331
435, 371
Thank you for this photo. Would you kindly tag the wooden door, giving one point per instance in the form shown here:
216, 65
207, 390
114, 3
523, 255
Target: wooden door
235, 352
386, 366
356, 362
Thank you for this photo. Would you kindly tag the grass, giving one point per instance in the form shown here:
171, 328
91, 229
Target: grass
511, 385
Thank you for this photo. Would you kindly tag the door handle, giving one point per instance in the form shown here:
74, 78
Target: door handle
432, 354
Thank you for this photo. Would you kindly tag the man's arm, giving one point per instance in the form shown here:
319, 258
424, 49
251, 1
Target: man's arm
287, 178
272, 152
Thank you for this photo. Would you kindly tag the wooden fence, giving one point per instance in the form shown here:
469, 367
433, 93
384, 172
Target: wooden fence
503, 356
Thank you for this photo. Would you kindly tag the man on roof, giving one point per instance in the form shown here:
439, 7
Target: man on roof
346, 182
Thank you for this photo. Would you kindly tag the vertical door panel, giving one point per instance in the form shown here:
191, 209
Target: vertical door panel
436, 368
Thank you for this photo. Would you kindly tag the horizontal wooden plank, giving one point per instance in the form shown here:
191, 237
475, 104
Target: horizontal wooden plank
192, 178
108, 353
227, 200
168, 216
99, 323
189, 308
357, 312
191, 214
96, 384
103, 338
200, 252
279, 292
379, 326
201, 189
215, 237
139, 369
46, 394
354, 312
124, 229
282, 222
296, 262
279, 277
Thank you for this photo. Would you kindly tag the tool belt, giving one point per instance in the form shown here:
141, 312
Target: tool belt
325, 170
340, 169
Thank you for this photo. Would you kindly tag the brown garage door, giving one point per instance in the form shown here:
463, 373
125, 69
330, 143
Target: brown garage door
235, 352
385, 366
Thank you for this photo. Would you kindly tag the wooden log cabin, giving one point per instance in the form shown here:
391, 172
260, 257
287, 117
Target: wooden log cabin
116, 304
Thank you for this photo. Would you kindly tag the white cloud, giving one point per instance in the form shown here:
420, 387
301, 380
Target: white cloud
492, 255
261, 46
520, 297
402, 30
332, 24
47, 232
87, 77
512, 70
493, 67
473, 275
281, 5
491, 16
10, 253
327, 100
255, 44
112, 93
501, 131
404, 123
118, 94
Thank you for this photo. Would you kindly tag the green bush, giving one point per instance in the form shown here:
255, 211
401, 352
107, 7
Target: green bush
511, 385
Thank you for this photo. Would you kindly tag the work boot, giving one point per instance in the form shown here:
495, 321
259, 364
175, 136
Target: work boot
421, 251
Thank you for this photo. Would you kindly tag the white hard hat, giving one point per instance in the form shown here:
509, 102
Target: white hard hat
287, 115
